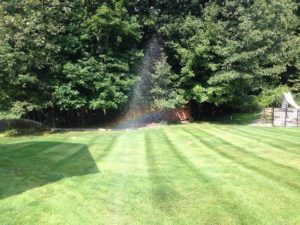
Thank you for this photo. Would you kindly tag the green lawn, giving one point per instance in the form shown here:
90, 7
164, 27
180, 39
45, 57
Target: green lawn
185, 174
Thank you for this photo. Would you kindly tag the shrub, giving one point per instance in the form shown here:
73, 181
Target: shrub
25, 131
271, 97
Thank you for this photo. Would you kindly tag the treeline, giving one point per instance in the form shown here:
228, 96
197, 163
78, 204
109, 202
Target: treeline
79, 59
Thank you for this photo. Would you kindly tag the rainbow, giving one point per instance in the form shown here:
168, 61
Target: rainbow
138, 119
143, 117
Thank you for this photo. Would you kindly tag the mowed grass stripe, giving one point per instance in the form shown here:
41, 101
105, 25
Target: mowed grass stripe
201, 142
24, 139
65, 152
250, 191
164, 195
287, 155
27, 150
90, 194
258, 149
235, 210
263, 132
106, 150
162, 186
187, 174
126, 169
279, 173
174, 191
227, 138
8, 148
287, 131
191, 200
269, 141
206, 186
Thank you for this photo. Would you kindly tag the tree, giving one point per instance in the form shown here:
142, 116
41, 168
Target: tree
111, 29
77, 57
34, 34
70, 55
92, 84
164, 91
238, 49
103, 77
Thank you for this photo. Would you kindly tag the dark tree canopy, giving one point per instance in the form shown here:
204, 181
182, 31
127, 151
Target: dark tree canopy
81, 57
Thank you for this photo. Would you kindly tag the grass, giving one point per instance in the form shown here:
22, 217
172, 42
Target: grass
236, 118
183, 174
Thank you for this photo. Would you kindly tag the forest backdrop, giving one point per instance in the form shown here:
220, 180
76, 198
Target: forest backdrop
71, 61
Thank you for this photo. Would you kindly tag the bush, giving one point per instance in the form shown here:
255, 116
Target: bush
246, 104
297, 98
271, 97
24, 131
11, 133
7, 115
21, 125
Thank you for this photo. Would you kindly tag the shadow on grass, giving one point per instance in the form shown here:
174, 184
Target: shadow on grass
28, 165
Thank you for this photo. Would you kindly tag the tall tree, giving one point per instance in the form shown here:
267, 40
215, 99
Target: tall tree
67, 54
236, 50
165, 92
102, 78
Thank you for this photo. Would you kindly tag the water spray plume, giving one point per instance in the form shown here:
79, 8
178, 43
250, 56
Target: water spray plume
139, 112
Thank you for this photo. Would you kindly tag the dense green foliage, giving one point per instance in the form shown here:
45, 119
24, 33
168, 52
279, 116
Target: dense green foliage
271, 97
67, 55
236, 50
82, 56
165, 92
195, 174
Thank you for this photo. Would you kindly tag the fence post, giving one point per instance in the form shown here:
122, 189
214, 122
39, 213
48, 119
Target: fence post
298, 112
286, 112
273, 116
